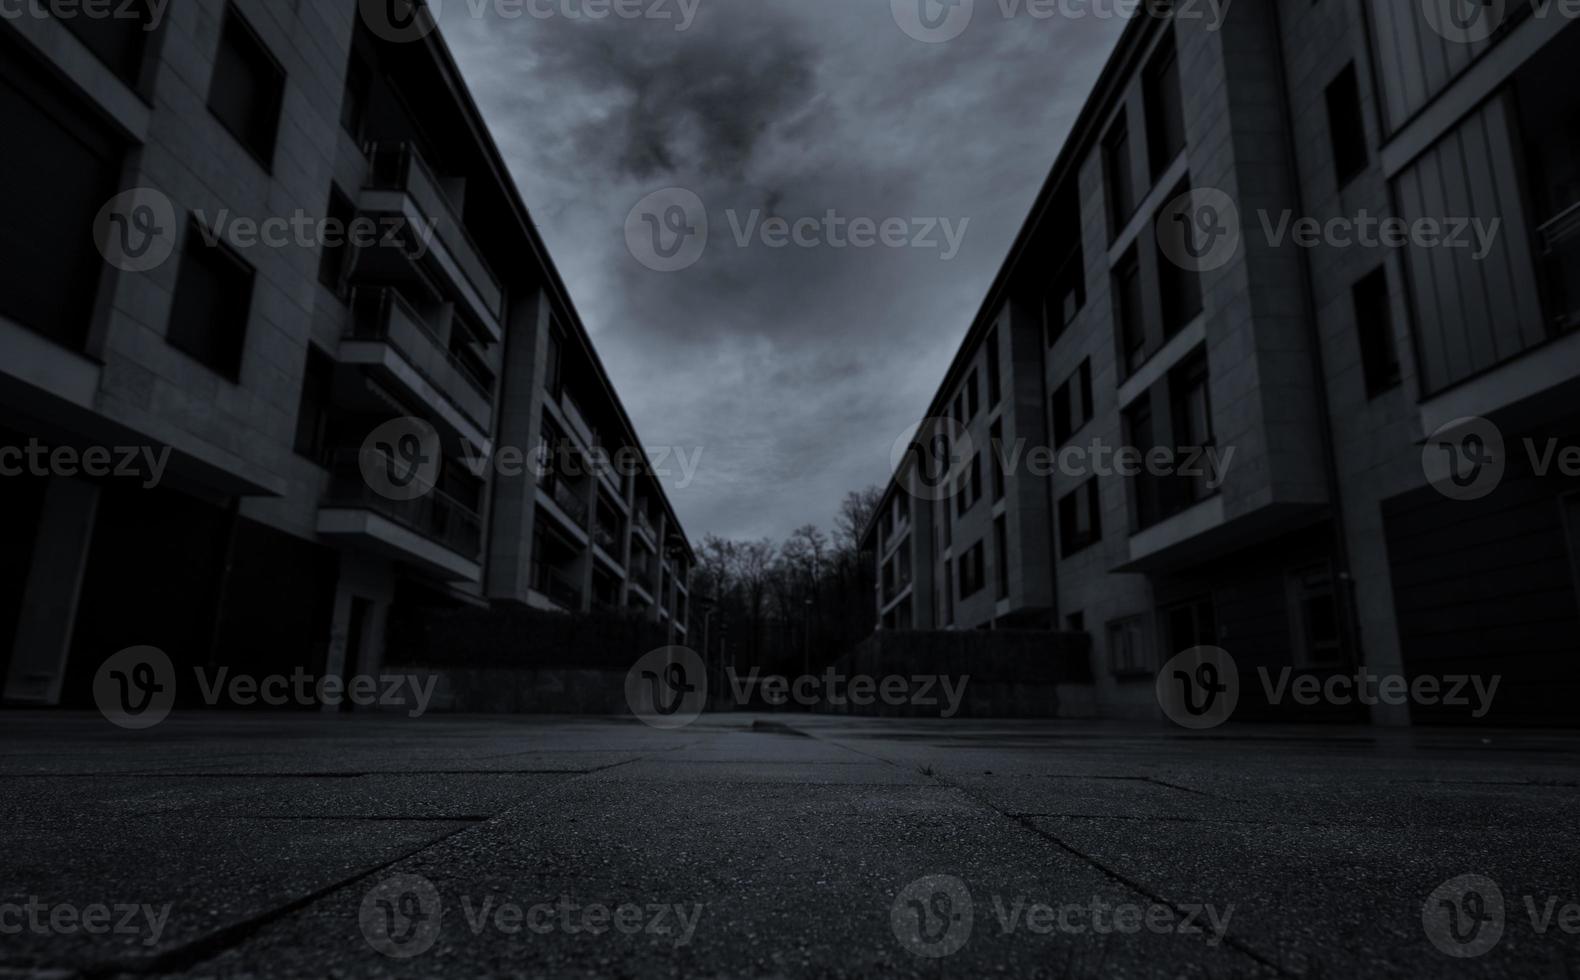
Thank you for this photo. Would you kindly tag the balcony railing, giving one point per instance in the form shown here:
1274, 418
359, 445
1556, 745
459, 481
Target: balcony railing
435, 516
571, 502
399, 167
607, 537
383, 316
557, 585
645, 523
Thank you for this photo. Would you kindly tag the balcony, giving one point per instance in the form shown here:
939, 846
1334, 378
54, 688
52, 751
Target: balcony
645, 525
400, 183
388, 337
433, 531
554, 583
569, 500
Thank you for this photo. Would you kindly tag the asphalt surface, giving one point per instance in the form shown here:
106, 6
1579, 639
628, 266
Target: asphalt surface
790, 846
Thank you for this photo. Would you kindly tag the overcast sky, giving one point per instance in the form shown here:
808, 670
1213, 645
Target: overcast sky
792, 369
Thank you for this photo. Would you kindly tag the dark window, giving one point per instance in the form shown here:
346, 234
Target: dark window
1346, 128
973, 396
119, 40
1374, 322
333, 262
1001, 555
312, 413
61, 166
1072, 404
1191, 624
1165, 109
212, 304
994, 373
553, 367
1314, 611
1191, 407
996, 458
1121, 181
1129, 310
1179, 288
1080, 523
247, 88
1145, 508
1068, 295
971, 571
1128, 653
354, 107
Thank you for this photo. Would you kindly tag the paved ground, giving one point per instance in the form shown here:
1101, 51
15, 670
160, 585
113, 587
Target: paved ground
299, 846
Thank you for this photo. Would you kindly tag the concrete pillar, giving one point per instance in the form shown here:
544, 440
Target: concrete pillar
54, 585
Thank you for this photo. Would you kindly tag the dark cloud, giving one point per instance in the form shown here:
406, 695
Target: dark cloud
793, 369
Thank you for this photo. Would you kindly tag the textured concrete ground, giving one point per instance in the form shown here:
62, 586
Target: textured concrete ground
291, 846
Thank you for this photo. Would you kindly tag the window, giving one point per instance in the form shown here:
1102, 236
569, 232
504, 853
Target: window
1145, 507
1314, 617
247, 89
973, 396
553, 367
969, 489
1346, 127
1374, 322
1179, 288
62, 165
354, 105
208, 320
1121, 182
120, 39
1165, 109
1001, 555
1080, 524
1128, 655
1191, 624
1191, 408
996, 458
1128, 310
312, 413
335, 259
995, 377
1072, 404
1068, 296
970, 570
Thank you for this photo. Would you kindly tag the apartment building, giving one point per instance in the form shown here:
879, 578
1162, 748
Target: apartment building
266, 261
1310, 509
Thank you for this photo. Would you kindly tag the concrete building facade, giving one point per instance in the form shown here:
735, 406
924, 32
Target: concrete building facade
1347, 412
272, 267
